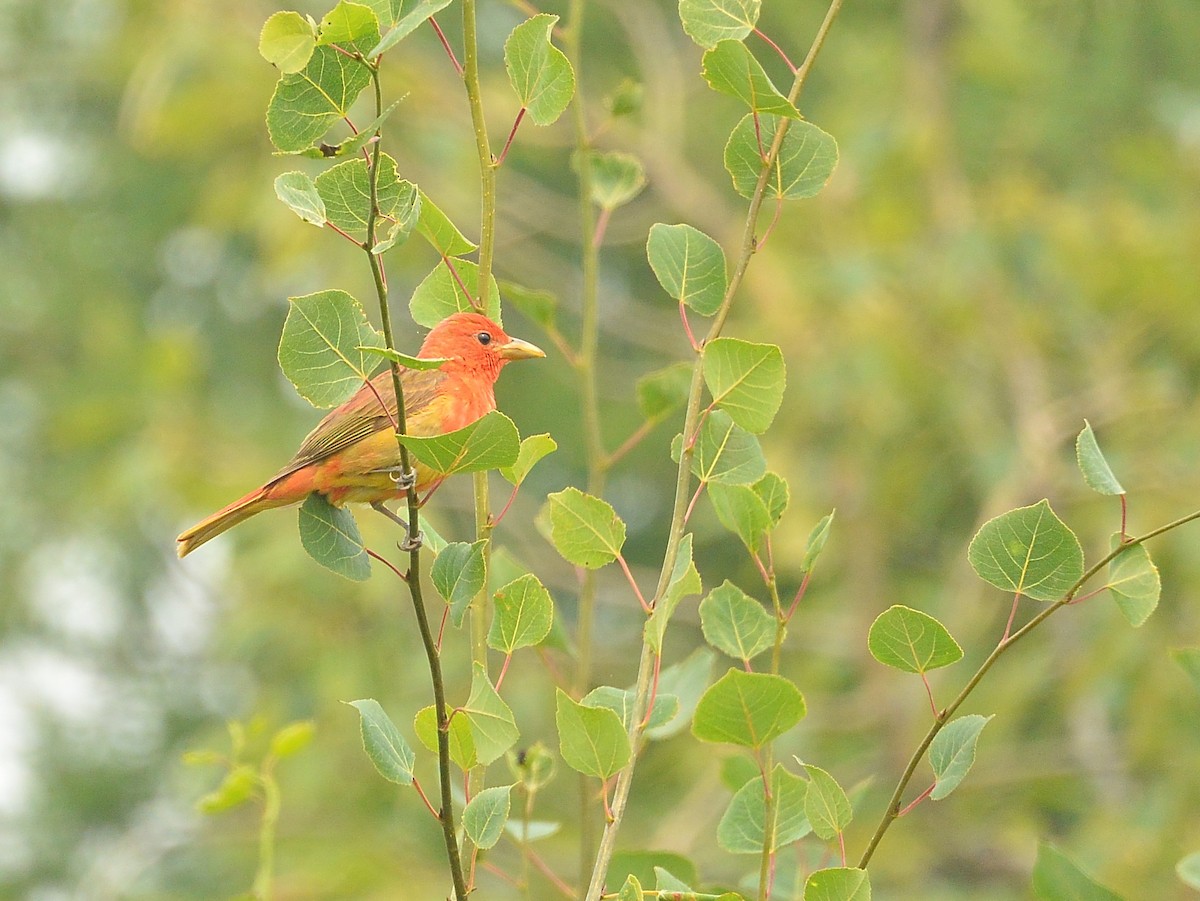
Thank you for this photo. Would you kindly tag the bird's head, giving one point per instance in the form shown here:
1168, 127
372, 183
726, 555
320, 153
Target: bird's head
475, 345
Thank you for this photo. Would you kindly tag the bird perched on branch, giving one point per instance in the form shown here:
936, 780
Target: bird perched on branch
352, 454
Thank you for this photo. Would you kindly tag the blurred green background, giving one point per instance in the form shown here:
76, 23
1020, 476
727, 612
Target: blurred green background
1011, 243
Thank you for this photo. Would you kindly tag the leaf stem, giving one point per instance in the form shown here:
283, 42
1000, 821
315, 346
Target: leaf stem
414, 555
893, 810
266, 835
683, 474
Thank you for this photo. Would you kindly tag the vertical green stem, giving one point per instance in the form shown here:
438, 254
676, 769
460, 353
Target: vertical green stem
266, 836
683, 477
433, 655
593, 435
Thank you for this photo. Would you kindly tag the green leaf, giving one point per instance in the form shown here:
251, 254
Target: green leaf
538, 71
709, 21
838, 884
584, 529
491, 442
626, 99
686, 681
386, 11
532, 767
643, 864
1096, 472
1134, 582
348, 23
1188, 870
345, 190
747, 709
666, 882
735, 623
533, 449
319, 350
684, 582
724, 452
952, 752
738, 769
493, 728
292, 738
912, 641
442, 234
730, 68
462, 740
772, 490
407, 24
238, 787
805, 163
306, 103
746, 380
617, 178
620, 702
742, 512
441, 294
524, 613
485, 815
689, 265
1029, 551
742, 827
331, 537
300, 194
664, 391
631, 890
1057, 878
384, 744
459, 573
531, 830
422, 364
1189, 661
816, 541
826, 805
537, 305
592, 740
287, 41
352, 145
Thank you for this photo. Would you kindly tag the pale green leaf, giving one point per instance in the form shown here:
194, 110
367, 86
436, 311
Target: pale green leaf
330, 536
1188, 870
239, 786
353, 144
422, 364
407, 23
386, 11
617, 178
442, 234
804, 165
664, 391
1134, 582
384, 744
826, 805
592, 740
345, 191
741, 511
816, 541
287, 41
735, 623
532, 767
620, 701
459, 572
488, 443
838, 884
319, 349
772, 490
1096, 472
952, 752
747, 709
684, 582
1029, 551
730, 68
724, 452
537, 305
531, 830
292, 738
300, 194
348, 23
306, 103
1057, 878
687, 682
485, 815
631, 890
746, 380
742, 829
533, 449
912, 641
689, 265
462, 740
452, 287
538, 71
523, 615
493, 728
584, 529
709, 21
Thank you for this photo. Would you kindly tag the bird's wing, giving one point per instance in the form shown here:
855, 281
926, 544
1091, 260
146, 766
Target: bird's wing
362, 416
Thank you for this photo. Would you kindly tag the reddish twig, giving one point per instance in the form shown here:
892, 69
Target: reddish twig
512, 497
799, 595
929, 692
476, 305
633, 583
917, 800
1011, 617
420, 791
692, 503
503, 670
687, 327
601, 226
760, 243
653, 691
446, 45
632, 441
512, 134
777, 49
385, 562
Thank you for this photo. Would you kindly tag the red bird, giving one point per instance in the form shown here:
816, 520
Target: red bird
352, 455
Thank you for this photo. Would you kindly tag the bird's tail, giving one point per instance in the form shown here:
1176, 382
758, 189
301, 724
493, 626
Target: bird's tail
227, 517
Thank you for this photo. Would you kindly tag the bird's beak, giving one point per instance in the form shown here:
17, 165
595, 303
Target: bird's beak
516, 349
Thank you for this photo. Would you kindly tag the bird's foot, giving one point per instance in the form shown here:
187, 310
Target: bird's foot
404, 480
412, 542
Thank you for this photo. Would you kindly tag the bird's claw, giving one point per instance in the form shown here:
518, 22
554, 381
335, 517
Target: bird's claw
412, 542
404, 481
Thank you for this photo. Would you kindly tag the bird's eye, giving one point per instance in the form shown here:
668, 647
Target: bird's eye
485, 338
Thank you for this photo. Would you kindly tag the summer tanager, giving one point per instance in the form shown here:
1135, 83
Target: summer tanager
352, 454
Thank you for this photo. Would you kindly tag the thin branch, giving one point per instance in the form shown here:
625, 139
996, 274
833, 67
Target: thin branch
777, 49
512, 134
446, 46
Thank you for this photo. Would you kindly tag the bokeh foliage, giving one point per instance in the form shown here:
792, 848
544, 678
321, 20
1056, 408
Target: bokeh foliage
1011, 243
